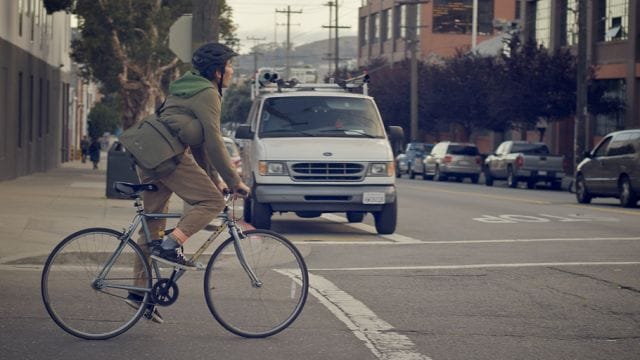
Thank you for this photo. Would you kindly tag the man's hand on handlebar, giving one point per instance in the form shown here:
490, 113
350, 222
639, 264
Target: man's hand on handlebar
241, 189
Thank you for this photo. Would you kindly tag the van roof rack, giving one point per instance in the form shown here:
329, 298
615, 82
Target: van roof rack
270, 83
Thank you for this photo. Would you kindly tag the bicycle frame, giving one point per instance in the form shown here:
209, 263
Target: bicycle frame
140, 219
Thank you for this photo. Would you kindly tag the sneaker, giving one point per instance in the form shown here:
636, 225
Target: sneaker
135, 300
173, 257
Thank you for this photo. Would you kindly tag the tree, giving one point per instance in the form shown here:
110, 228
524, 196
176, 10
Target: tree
124, 46
236, 104
101, 119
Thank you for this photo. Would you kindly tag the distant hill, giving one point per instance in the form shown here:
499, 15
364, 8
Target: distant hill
313, 54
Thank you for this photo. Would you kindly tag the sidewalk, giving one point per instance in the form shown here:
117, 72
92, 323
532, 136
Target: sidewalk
39, 210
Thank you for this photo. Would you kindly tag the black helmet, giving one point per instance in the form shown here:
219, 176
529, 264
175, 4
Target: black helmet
210, 56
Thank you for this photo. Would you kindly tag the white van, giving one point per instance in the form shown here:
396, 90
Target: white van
316, 148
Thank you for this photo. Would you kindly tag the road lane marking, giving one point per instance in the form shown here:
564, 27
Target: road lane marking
479, 266
378, 335
495, 197
396, 238
615, 211
454, 242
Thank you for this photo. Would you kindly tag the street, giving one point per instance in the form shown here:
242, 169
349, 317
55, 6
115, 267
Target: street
472, 272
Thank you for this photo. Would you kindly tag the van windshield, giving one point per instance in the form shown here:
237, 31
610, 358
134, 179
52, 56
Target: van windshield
320, 116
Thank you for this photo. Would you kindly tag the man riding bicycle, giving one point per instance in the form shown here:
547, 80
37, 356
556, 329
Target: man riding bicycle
192, 113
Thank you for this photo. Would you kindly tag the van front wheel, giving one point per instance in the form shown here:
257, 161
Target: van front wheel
260, 215
386, 218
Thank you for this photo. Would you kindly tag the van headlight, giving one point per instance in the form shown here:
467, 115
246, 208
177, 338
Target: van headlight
272, 168
382, 169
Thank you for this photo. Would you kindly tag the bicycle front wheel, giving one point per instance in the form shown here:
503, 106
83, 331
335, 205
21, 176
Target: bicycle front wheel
85, 284
263, 308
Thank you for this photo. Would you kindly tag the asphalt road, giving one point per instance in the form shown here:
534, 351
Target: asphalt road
472, 272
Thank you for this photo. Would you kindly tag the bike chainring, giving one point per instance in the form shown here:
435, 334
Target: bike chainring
164, 292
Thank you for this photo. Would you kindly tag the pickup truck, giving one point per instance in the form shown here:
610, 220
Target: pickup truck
517, 161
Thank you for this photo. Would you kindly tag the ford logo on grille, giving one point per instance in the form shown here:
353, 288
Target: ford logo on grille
327, 154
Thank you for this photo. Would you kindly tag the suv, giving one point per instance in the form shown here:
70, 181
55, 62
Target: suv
450, 159
612, 169
316, 148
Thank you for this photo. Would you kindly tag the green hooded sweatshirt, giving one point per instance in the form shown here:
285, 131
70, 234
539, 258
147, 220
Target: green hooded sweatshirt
192, 112
189, 84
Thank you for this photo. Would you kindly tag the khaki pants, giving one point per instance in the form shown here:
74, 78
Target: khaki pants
192, 184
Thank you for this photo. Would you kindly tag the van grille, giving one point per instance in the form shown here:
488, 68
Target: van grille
333, 171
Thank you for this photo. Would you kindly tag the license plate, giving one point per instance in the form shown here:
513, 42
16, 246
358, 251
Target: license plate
542, 173
373, 198
463, 162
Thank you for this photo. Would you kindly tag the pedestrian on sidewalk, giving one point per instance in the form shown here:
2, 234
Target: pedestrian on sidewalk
94, 152
84, 148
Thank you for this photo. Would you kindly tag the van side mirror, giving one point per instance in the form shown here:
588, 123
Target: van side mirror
396, 133
244, 132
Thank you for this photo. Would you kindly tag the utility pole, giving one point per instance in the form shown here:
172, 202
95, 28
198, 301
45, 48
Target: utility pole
288, 12
204, 28
579, 132
412, 39
255, 52
336, 53
330, 4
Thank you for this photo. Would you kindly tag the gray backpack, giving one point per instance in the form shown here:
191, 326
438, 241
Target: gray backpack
154, 148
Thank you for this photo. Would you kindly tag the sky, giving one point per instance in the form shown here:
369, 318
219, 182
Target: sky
258, 19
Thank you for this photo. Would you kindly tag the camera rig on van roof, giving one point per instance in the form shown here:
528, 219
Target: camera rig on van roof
270, 83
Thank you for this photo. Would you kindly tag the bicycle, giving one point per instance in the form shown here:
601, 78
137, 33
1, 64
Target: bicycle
255, 283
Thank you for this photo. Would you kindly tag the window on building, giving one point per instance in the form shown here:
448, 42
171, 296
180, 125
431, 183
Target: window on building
48, 108
606, 123
374, 22
40, 107
390, 23
457, 16
402, 20
31, 105
20, 117
418, 20
614, 15
542, 27
384, 21
20, 13
363, 31
569, 32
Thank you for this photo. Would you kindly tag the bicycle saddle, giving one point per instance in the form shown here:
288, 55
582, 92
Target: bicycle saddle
133, 189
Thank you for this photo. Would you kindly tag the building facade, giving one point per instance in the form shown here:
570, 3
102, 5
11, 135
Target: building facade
42, 108
442, 27
613, 51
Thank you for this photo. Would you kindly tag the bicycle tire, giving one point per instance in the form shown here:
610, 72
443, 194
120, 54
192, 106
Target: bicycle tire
68, 280
256, 312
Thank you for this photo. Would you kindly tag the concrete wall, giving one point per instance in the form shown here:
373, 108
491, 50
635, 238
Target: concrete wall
34, 87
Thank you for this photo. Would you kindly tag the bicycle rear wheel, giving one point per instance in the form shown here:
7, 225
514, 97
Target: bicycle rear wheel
82, 303
256, 311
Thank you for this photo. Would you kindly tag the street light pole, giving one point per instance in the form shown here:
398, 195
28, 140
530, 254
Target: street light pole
579, 132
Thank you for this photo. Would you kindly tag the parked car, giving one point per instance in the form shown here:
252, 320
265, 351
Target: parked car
417, 166
450, 159
405, 161
531, 162
234, 153
612, 169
